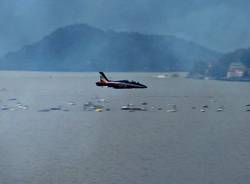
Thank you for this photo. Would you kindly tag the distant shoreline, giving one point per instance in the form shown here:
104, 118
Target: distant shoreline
227, 80
60, 71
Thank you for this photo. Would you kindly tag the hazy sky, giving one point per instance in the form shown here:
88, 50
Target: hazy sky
218, 24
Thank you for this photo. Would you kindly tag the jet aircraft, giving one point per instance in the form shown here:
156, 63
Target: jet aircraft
120, 84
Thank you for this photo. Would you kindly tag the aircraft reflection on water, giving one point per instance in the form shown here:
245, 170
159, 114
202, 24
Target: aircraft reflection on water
120, 84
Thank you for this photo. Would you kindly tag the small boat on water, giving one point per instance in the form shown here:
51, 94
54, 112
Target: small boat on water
161, 76
132, 108
4, 108
205, 106
172, 110
56, 108
219, 109
99, 110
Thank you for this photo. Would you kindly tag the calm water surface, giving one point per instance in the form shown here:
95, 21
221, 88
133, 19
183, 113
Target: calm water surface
75, 146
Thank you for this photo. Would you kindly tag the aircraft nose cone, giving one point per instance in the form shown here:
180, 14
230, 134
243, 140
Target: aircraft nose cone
97, 83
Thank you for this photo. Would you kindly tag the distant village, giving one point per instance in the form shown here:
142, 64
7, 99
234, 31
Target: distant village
238, 71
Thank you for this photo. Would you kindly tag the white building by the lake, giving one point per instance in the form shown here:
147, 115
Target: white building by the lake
236, 70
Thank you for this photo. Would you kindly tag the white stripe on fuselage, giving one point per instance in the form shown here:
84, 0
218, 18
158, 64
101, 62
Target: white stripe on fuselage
124, 84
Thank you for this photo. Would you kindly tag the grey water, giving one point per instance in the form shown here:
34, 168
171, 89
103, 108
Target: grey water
142, 147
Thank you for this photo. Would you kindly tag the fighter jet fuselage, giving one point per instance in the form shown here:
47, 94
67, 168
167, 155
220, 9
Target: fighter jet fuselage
119, 84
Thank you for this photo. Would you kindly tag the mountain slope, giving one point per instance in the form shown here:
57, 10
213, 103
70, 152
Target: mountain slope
84, 48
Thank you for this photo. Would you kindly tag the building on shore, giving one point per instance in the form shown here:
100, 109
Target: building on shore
236, 70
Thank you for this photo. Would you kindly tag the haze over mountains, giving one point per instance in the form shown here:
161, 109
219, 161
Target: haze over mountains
80, 47
221, 25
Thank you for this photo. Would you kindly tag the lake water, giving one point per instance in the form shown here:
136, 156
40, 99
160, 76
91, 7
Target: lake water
70, 145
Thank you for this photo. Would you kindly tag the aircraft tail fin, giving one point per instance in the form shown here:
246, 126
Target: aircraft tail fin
103, 77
